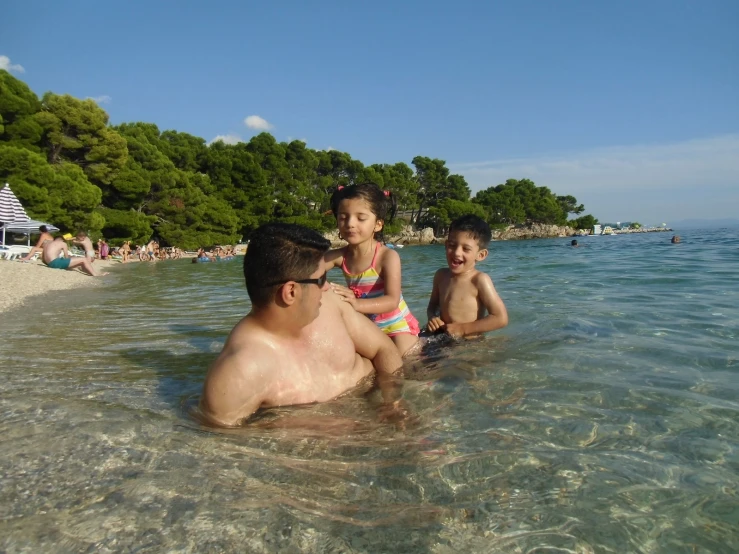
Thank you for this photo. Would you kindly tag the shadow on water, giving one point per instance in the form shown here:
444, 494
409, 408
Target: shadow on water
179, 376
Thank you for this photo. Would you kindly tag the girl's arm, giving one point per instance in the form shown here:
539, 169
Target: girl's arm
388, 266
333, 258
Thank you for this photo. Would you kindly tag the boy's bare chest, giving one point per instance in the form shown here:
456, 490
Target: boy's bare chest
459, 301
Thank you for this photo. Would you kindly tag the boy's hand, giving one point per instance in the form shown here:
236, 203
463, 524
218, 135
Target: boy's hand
346, 294
435, 324
455, 330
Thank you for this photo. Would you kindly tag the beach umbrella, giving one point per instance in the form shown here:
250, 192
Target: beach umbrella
11, 210
28, 227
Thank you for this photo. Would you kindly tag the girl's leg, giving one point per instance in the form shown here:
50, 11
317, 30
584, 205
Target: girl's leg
405, 342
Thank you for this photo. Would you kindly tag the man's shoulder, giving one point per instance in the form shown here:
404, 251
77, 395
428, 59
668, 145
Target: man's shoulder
247, 350
332, 305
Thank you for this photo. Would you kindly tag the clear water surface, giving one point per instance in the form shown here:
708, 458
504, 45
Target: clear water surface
604, 418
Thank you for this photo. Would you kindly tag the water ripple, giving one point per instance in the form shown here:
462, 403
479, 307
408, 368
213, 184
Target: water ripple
603, 419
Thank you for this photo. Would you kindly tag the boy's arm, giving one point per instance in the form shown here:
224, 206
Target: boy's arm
433, 312
497, 317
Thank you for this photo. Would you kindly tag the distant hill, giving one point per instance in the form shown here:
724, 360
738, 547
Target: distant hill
705, 223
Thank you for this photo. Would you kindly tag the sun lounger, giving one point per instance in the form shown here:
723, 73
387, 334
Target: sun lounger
14, 251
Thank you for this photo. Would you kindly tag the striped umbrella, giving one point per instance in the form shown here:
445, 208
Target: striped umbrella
11, 210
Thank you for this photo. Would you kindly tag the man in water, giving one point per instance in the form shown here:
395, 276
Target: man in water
675, 239
51, 258
300, 343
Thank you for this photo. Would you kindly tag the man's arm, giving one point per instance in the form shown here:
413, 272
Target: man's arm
232, 392
376, 346
497, 317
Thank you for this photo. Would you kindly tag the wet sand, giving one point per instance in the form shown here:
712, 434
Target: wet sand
21, 281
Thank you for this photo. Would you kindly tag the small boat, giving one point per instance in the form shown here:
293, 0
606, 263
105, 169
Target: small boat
608, 230
394, 246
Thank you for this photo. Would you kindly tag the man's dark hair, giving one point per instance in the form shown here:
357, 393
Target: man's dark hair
277, 253
474, 226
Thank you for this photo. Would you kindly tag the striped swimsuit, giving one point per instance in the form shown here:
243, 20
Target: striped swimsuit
369, 284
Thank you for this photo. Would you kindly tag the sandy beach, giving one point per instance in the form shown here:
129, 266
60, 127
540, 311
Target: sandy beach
23, 280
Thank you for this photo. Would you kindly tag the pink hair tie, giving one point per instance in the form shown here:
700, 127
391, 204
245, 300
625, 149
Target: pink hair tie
340, 187
386, 192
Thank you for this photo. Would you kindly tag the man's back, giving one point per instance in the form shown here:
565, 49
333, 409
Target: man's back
52, 249
261, 369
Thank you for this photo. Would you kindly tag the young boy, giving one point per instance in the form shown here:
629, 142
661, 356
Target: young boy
463, 295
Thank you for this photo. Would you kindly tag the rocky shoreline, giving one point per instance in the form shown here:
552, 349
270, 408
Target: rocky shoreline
410, 236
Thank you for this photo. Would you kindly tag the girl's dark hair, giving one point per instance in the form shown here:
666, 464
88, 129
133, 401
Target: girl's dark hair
43, 229
382, 203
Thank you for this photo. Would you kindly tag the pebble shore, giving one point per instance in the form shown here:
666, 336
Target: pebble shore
21, 281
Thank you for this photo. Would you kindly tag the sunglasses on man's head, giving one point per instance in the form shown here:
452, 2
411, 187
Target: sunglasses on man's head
320, 281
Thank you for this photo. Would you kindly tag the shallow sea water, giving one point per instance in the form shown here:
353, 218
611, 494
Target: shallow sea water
604, 418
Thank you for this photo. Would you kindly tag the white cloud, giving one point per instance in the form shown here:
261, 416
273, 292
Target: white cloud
256, 122
227, 139
625, 182
103, 99
12, 67
290, 139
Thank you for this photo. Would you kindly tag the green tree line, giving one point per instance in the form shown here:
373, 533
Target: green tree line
68, 166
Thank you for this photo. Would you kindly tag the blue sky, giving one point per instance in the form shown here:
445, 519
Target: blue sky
631, 106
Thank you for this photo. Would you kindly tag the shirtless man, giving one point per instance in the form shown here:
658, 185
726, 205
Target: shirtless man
300, 343
84, 241
51, 258
152, 250
125, 250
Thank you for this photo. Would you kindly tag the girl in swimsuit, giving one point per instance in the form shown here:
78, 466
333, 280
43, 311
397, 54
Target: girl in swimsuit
372, 271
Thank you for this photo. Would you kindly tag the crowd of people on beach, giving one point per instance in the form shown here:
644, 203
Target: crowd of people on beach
80, 245
217, 254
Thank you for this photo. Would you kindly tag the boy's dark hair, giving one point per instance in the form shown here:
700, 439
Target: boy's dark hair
382, 203
474, 226
280, 252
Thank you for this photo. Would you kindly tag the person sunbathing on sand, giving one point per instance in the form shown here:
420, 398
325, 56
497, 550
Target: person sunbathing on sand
51, 258
45, 238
